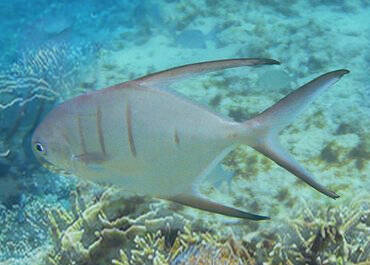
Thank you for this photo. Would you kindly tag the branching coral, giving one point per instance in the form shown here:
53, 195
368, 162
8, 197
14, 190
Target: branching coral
337, 235
121, 231
320, 236
113, 223
214, 251
188, 248
21, 231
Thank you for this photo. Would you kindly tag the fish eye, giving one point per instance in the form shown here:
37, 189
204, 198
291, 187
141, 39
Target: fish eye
39, 147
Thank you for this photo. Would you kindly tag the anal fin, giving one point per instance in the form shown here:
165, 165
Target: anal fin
198, 202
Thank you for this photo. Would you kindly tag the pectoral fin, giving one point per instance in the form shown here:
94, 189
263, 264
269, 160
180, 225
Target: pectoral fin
91, 158
195, 201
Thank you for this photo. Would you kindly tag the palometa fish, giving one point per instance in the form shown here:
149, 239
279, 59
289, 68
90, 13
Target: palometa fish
150, 141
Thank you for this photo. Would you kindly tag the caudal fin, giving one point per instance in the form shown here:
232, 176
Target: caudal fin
266, 126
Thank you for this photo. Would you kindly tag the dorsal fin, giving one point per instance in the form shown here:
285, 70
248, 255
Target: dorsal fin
171, 75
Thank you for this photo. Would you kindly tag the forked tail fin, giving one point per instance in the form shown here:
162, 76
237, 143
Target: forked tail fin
266, 126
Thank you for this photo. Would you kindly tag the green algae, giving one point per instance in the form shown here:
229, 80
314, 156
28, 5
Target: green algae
331, 153
361, 153
334, 154
317, 119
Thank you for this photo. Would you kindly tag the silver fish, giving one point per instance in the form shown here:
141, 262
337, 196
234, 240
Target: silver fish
148, 140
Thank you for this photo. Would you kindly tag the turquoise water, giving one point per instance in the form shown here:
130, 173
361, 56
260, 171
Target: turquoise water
55, 50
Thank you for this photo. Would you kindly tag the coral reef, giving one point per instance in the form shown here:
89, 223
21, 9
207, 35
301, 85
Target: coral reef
116, 231
106, 231
29, 87
338, 235
120, 231
23, 228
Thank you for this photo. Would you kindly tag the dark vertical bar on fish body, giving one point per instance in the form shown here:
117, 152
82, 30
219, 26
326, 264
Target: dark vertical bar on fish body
100, 130
131, 141
176, 137
80, 132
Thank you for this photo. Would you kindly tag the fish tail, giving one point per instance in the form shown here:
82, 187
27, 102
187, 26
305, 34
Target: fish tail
263, 129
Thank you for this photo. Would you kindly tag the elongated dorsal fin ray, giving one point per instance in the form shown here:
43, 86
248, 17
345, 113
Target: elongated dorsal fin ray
269, 123
169, 76
196, 201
